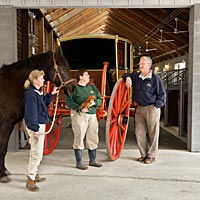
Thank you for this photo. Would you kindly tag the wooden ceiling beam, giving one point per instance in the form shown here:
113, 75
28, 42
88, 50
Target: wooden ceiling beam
180, 40
78, 19
89, 21
170, 25
137, 25
160, 22
56, 14
132, 32
65, 16
162, 48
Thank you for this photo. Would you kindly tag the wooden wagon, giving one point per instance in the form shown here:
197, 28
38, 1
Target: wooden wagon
116, 107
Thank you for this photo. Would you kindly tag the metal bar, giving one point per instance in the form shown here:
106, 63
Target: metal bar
181, 111
116, 55
125, 55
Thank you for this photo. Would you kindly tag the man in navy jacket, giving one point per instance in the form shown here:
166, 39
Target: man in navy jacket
150, 95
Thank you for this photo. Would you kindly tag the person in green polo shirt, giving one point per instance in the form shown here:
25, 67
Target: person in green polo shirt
84, 120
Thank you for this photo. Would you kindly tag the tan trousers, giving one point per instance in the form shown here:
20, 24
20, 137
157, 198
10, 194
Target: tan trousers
36, 151
85, 125
147, 128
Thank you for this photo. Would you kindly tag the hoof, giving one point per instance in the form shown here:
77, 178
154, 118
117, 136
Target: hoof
7, 172
5, 179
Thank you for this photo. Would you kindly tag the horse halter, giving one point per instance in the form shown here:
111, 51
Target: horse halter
57, 73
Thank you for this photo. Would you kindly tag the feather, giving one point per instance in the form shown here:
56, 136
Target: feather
88, 102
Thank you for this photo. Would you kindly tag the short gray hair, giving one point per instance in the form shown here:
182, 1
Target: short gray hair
147, 58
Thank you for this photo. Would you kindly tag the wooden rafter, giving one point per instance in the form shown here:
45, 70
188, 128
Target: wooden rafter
137, 25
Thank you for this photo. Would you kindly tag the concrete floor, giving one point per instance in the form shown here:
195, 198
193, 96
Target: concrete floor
167, 141
174, 176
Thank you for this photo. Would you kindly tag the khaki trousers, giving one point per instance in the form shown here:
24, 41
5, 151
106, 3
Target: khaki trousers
85, 125
147, 128
36, 151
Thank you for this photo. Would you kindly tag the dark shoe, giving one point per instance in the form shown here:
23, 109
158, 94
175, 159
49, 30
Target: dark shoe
92, 157
95, 164
149, 160
78, 155
39, 179
31, 185
81, 166
141, 159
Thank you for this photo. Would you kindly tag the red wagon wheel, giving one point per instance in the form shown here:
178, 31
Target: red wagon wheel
51, 139
117, 119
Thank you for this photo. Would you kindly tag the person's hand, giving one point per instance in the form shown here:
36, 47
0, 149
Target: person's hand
84, 110
37, 134
128, 82
55, 90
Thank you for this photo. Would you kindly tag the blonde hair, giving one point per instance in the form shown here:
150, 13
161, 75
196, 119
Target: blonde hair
33, 75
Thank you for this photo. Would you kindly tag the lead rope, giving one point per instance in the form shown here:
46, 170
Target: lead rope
54, 116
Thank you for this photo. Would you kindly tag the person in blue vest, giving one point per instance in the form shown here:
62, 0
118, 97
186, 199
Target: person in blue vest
84, 119
150, 96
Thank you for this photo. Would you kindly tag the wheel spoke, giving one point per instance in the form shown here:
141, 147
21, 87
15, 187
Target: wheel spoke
122, 127
119, 97
124, 101
112, 140
113, 120
115, 144
120, 135
114, 112
112, 132
123, 107
115, 105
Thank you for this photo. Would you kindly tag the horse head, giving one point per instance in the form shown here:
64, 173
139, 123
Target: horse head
59, 73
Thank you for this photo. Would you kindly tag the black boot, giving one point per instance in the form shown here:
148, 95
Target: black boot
78, 155
92, 156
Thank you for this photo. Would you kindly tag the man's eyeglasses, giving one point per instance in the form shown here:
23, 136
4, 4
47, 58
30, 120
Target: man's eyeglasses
85, 74
143, 63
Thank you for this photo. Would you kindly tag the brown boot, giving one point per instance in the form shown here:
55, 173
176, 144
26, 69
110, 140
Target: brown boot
39, 179
31, 185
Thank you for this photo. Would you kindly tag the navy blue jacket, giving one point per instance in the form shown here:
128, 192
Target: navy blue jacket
149, 91
36, 108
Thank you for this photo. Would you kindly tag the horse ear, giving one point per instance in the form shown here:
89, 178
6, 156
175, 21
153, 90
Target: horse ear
58, 50
59, 54
60, 58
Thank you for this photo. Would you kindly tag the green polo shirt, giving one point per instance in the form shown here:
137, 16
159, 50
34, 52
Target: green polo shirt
80, 94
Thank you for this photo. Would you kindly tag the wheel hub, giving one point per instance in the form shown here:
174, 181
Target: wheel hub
122, 119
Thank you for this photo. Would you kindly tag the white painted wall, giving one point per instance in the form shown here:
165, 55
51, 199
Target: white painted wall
8, 51
8, 35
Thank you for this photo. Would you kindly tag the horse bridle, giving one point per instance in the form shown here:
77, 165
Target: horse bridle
62, 84
57, 73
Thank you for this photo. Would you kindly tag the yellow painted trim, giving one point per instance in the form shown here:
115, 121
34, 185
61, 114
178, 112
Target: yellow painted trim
103, 36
